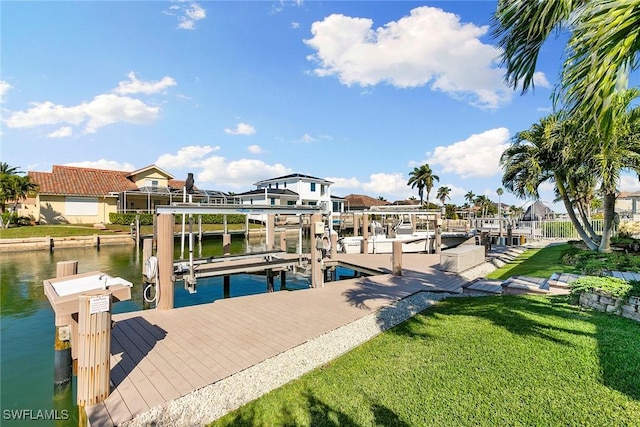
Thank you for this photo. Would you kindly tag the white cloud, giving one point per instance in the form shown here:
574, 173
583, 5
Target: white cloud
190, 156
385, 183
476, 156
4, 88
629, 183
295, 25
63, 132
187, 12
104, 164
106, 109
102, 110
133, 85
428, 47
306, 138
219, 172
255, 149
539, 79
350, 183
241, 129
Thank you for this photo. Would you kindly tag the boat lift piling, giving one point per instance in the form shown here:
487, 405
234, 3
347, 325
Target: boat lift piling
166, 276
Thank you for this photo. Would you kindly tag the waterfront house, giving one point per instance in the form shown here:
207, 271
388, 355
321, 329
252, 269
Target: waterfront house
76, 195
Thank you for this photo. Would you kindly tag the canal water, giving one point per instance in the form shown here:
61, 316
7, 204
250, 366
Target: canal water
27, 319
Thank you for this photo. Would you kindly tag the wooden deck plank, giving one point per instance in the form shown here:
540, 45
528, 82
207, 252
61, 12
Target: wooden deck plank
158, 356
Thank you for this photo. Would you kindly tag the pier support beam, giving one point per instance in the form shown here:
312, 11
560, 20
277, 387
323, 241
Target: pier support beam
64, 338
334, 245
396, 258
165, 262
438, 233
283, 280
364, 248
226, 286
316, 253
271, 231
270, 287
356, 225
226, 244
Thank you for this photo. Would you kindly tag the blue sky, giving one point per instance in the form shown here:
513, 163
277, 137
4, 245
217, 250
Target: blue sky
356, 92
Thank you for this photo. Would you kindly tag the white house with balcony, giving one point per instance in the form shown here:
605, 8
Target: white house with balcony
290, 190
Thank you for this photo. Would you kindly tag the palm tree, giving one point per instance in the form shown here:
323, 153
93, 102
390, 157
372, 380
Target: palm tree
469, 197
601, 51
13, 188
538, 155
422, 177
443, 194
617, 151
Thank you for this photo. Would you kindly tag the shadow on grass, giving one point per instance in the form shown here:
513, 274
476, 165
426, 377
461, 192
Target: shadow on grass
320, 414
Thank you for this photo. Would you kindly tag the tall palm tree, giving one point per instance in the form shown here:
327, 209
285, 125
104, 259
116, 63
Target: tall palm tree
422, 177
617, 151
443, 194
603, 46
9, 184
539, 155
470, 197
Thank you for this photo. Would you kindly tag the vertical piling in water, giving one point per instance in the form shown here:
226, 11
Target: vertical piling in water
438, 233
334, 245
63, 340
283, 280
226, 286
165, 262
270, 287
356, 225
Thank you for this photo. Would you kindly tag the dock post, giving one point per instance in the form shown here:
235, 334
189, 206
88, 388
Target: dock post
64, 338
396, 258
283, 280
438, 233
270, 287
334, 245
364, 248
356, 225
94, 339
226, 286
271, 226
226, 244
316, 253
165, 262
283, 241
96, 241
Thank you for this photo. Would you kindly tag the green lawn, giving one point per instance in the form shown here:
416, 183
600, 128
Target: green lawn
88, 230
491, 361
536, 263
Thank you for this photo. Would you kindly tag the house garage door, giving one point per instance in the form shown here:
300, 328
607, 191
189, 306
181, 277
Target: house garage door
81, 206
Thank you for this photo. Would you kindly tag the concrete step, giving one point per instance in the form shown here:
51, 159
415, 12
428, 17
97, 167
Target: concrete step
522, 284
483, 287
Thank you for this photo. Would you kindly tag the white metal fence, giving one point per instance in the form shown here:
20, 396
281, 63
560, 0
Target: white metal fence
552, 229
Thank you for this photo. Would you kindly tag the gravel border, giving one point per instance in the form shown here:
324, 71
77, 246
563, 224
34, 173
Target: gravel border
215, 400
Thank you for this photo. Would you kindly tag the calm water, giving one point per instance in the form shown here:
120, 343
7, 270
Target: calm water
27, 320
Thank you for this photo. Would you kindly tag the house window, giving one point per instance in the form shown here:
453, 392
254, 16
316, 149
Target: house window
276, 185
251, 201
313, 186
285, 185
273, 201
291, 203
269, 185
322, 190
153, 183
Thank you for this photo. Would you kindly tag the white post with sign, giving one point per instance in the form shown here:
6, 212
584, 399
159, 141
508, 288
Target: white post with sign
94, 337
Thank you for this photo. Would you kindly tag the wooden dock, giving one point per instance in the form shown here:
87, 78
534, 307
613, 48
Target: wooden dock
159, 356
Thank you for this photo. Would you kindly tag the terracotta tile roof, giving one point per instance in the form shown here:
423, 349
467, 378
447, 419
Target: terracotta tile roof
75, 181
360, 201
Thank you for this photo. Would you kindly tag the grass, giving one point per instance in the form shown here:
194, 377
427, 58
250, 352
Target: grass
511, 360
65, 230
536, 263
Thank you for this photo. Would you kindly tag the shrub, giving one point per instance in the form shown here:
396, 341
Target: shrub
613, 286
147, 219
629, 229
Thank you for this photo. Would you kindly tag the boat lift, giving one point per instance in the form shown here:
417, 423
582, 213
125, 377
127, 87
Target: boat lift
187, 270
